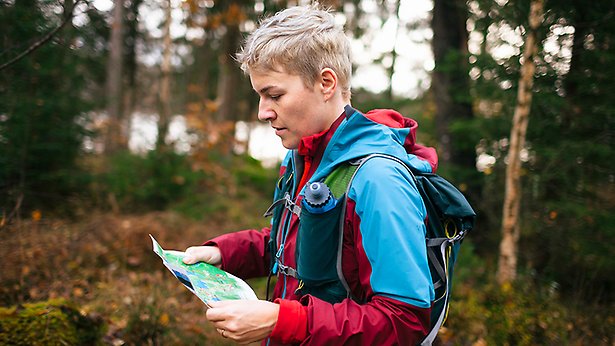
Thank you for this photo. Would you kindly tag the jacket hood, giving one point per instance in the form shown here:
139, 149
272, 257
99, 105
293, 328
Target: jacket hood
381, 131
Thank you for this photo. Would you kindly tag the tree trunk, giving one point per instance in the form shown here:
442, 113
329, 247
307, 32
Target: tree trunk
228, 82
507, 263
164, 113
130, 62
394, 54
114, 138
450, 80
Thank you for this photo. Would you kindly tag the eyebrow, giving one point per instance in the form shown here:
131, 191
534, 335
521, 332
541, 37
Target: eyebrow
266, 89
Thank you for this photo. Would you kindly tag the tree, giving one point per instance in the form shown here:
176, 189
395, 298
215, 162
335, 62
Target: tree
572, 136
115, 139
44, 99
164, 109
450, 80
132, 38
230, 76
507, 264
565, 231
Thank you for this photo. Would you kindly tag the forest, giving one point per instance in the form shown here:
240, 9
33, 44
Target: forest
120, 119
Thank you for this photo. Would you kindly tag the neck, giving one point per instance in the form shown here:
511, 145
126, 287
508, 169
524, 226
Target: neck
335, 108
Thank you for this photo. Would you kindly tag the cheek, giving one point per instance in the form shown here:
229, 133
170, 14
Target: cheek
303, 113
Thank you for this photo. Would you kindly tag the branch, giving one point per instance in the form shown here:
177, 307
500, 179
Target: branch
6, 219
43, 40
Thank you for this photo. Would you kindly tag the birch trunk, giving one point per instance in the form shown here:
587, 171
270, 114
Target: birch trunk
507, 263
164, 113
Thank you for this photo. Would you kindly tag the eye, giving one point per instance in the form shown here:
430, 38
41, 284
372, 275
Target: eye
275, 97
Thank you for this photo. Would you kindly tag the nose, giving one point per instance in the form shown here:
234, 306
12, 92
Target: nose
265, 113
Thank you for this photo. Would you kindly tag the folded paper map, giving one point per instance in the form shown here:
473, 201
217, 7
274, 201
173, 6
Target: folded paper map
206, 281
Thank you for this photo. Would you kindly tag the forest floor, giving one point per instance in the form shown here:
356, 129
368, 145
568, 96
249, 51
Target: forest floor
104, 263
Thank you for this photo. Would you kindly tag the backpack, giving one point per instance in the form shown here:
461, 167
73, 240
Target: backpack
319, 242
449, 218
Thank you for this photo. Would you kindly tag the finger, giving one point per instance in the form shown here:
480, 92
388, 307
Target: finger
214, 314
219, 303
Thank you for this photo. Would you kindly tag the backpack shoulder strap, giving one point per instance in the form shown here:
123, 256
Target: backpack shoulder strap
340, 182
440, 197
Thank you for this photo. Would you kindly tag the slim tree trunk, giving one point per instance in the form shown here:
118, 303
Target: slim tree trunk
165, 83
114, 136
507, 263
394, 52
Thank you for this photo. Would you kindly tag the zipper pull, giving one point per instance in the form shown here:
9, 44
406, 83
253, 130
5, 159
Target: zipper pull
278, 254
280, 250
298, 290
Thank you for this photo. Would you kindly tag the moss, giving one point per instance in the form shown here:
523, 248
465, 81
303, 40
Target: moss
52, 322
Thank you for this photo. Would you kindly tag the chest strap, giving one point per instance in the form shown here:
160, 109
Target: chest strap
288, 204
281, 268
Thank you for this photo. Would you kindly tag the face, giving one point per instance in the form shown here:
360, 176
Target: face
293, 110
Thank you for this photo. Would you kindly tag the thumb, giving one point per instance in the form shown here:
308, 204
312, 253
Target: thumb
188, 259
191, 255
207, 254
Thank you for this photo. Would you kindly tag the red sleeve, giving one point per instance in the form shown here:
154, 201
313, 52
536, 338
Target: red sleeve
244, 253
291, 327
382, 321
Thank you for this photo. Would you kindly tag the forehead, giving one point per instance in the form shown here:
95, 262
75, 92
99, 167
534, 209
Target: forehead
264, 79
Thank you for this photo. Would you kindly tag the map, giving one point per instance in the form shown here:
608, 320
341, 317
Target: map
206, 281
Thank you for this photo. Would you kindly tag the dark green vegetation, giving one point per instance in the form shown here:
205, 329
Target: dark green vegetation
54, 322
65, 204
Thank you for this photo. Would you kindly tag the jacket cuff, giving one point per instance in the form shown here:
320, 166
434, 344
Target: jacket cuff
291, 326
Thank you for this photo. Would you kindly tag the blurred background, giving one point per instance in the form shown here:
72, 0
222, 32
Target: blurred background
124, 118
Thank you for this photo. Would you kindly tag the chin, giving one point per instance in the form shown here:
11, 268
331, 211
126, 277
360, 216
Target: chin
290, 146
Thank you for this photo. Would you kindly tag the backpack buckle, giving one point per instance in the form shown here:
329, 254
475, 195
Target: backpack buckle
288, 204
286, 270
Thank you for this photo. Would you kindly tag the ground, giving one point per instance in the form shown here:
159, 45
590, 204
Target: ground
104, 263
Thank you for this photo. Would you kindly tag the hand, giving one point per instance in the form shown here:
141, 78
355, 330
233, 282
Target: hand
243, 321
207, 254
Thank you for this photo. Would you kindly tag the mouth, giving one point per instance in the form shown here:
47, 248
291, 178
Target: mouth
278, 130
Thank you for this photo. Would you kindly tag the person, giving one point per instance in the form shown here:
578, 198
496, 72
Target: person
299, 64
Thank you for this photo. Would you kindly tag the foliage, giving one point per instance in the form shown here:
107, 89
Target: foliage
529, 312
237, 191
221, 188
44, 99
567, 178
150, 182
52, 322
147, 324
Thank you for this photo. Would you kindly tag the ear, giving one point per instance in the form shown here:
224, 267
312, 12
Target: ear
328, 83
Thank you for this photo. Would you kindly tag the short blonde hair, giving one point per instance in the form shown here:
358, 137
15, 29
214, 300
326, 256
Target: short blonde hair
301, 41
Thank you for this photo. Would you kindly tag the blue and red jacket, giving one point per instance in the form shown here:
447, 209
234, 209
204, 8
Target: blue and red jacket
384, 255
